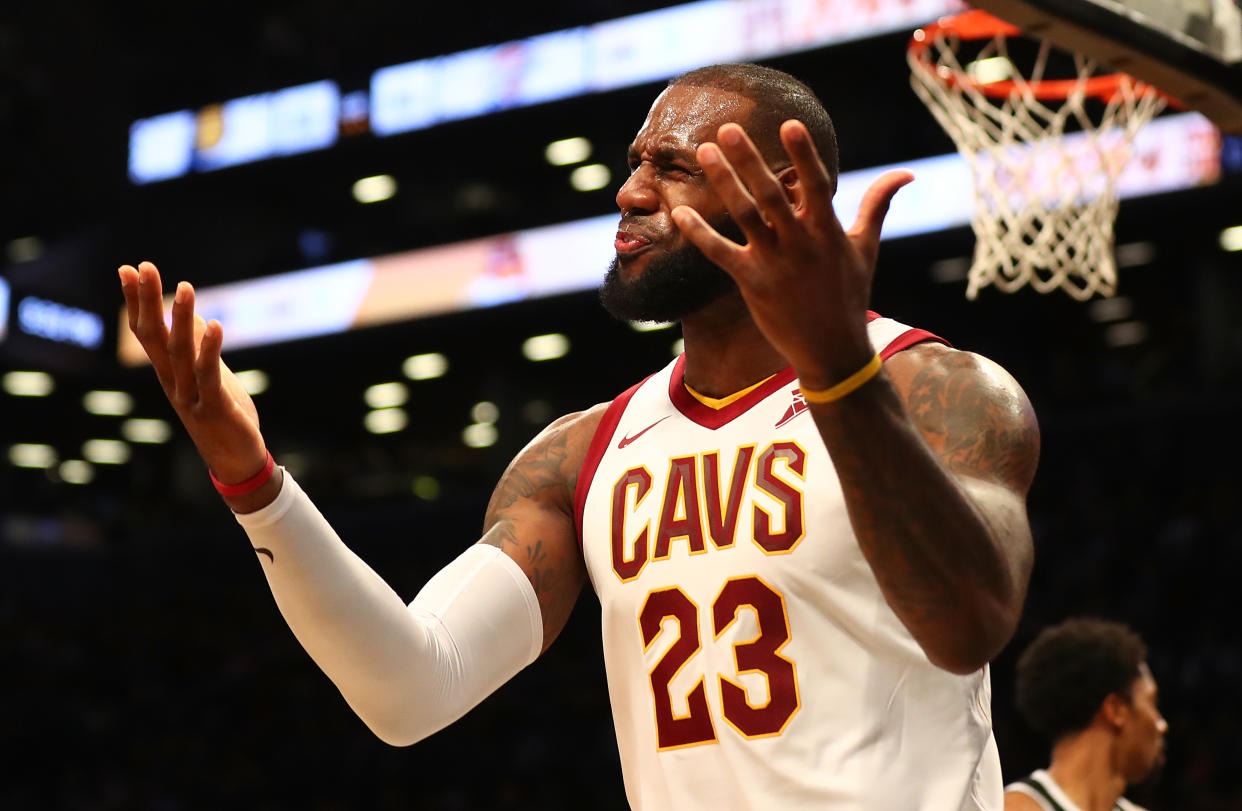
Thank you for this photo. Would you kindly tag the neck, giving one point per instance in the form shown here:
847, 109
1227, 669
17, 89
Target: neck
1082, 765
725, 351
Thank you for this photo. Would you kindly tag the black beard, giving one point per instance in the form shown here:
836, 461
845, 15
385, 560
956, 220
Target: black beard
673, 286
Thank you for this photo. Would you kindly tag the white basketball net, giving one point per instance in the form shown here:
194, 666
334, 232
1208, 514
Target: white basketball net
1045, 201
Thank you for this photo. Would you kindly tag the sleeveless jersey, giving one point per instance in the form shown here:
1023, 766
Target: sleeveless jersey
752, 660
1041, 788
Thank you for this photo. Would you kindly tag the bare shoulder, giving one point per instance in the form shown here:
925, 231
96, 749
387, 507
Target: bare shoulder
971, 411
1017, 801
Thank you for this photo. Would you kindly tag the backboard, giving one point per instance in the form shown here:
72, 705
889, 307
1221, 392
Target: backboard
1191, 49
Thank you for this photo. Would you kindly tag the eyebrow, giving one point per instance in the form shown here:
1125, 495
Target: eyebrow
664, 154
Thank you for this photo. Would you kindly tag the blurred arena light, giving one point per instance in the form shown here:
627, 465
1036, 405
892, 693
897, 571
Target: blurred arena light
426, 488
567, 151
480, 435
386, 420
1133, 254
24, 249
650, 326
425, 367
28, 454
254, 381
1118, 308
679, 346
1127, 333
76, 471
106, 451
591, 177
375, 189
993, 69
950, 271
485, 412
545, 347
537, 412
28, 384
146, 431
386, 395
1231, 238
108, 403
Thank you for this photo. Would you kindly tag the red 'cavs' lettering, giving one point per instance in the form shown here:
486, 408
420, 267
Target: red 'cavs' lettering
789, 496
627, 568
722, 524
685, 501
681, 495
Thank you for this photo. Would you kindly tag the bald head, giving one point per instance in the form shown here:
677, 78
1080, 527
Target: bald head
777, 97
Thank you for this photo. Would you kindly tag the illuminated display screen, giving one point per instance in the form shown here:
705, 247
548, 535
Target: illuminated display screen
1176, 152
612, 54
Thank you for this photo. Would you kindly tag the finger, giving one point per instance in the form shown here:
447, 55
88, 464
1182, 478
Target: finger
207, 364
737, 200
865, 233
756, 175
129, 288
718, 249
818, 185
151, 330
181, 348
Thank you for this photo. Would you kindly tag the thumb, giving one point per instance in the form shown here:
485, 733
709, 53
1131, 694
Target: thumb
865, 233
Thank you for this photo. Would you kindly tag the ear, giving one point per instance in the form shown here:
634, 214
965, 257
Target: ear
792, 185
1114, 711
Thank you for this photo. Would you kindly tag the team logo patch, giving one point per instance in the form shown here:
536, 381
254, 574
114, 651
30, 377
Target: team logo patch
797, 407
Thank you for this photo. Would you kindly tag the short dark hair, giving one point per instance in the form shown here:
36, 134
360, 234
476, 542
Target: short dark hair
778, 97
1066, 673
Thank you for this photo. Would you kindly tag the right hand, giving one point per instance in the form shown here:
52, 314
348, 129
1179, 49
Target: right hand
211, 402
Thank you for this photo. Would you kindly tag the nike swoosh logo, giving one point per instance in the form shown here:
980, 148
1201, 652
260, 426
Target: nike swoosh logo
627, 440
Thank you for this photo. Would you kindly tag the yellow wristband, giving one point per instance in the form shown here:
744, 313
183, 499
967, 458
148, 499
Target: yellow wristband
846, 386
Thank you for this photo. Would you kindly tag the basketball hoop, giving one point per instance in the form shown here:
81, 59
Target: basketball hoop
1045, 199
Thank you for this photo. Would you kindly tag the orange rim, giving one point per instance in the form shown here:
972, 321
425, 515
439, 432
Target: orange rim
978, 24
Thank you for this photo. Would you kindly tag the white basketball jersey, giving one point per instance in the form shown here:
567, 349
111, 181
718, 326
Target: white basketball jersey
752, 660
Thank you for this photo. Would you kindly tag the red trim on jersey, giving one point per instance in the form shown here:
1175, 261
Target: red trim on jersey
713, 418
908, 339
595, 452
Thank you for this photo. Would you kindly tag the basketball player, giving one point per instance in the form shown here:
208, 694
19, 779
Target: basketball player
1085, 686
808, 533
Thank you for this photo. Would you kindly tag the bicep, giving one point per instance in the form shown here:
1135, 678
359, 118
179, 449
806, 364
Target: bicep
531, 517
980, 424
544, 545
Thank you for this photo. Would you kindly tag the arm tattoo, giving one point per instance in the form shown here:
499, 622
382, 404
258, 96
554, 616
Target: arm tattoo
976, 426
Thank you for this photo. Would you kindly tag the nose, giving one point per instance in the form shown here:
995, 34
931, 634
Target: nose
1162, 726
636, 194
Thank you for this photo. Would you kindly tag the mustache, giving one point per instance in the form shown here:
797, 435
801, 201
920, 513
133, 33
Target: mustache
647, 225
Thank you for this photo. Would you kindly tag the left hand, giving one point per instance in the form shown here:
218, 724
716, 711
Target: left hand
805, 279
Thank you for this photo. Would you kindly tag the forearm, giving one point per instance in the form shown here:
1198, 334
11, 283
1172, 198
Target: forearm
406, 671
944, 566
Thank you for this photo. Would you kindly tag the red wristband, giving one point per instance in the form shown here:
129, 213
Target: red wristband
249, 485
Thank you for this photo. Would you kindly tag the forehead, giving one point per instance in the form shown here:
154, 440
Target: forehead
687, 115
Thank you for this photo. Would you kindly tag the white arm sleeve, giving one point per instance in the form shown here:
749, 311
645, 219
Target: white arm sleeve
407, 671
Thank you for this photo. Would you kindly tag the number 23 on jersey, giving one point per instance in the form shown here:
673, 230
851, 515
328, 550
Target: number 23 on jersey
761, 655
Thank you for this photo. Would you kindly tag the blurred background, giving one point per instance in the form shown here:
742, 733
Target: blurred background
144, 663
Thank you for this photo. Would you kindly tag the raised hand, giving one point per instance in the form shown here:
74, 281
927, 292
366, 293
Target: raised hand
212, 404
805, 279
